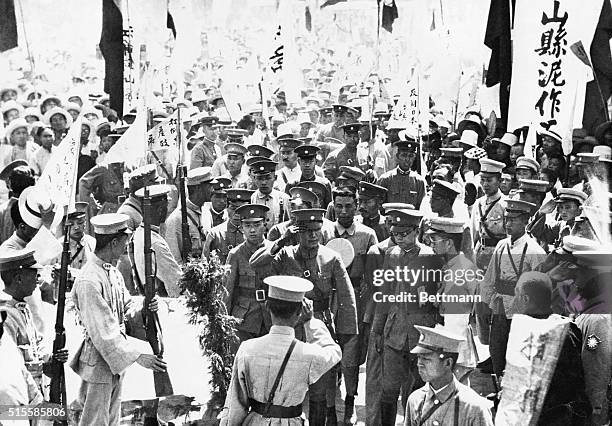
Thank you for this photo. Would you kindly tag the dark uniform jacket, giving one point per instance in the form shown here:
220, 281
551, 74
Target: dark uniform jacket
403, 187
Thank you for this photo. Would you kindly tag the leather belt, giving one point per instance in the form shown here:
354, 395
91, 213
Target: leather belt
258, 293
275, 411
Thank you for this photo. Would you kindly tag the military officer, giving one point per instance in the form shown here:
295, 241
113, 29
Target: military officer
167, 268
226, 236
332, 287
213, 213
512, 256
371, 198
351, 154
393, 326
361, 238
206, 151
81, 244
275, 200
245, 291
307, 161
145, 175
101, 188
334, 129
259, 398
349, 177
443, 400
291, 171
19, 270
301, 198
199, 189
487, 229
102, 301
403, 184
236, 170
526, 168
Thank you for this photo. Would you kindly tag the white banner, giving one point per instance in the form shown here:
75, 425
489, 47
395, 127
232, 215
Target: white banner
413, 106
163, 135
548, 80
58, 180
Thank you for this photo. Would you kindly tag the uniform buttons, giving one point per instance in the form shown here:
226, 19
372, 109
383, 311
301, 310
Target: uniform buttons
436, 401
436, 423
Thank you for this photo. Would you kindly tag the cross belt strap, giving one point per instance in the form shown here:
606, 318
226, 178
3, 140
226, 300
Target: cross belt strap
268, 404
433, 409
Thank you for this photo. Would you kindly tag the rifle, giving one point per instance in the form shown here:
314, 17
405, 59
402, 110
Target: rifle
281, 213
182, 175
57, 391
163, 386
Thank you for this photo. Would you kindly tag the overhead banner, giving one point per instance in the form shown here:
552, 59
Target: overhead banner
548, 80
412, 107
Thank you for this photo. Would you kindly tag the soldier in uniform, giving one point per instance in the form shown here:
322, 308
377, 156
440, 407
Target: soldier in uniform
349, 177
307, 160
275, 200
167, 268
361, 238
199, 189
237, 172
487, 230
101, 187
245, 291
334, 129
102, 302
332, 288
81, 245
145, 175
291, 171
213, 213
393, 326
272, 374
512, 256
301, 198
19, 270
351, 154
226, 236
526, 168
443, 400
206, 151
403, 184
18, 176
370, 199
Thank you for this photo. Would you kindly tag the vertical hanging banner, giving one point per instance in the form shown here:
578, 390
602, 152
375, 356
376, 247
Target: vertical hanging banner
163, 135
131, 68
548, 80
412, 107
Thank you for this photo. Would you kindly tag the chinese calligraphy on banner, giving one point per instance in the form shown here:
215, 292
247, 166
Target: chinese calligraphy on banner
58, 180
548, 81
534, 346
163, 136
412, 108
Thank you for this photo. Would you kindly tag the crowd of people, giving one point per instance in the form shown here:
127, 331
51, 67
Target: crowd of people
270, 195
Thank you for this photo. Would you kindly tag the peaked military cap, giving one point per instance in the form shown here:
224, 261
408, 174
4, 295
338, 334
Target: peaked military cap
252, 212
527, 163
199, 175
287, 288
260, 150
444, 188
221, 185
309, 215
11, 260
110, 223
437, 339
155, 191
235, 148
352, 127
518, 207
446, 225
263, 167
303, 194
305, 151
570, 194
369, 190
289, 143
239, 194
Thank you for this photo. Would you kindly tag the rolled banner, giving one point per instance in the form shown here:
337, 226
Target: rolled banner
344, 249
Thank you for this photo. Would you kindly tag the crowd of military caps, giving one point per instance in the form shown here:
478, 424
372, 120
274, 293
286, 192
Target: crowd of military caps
268, 201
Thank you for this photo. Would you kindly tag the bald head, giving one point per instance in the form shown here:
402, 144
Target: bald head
533, 293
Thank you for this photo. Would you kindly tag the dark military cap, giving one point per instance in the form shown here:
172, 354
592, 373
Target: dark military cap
316, 187
79, 210
326, 110
304, 151
20, 259
445, 189
351, 127
349, 172
208, 121
252, 212
235, 148
289, 143
309, 215
260, 150
221, 185
451, 152
263, 167
9, 168
408, 145
516, 208
239, 194
303, 194
340, 109
255, 159
369, 190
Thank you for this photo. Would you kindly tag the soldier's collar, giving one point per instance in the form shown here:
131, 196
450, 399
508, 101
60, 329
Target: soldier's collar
495, 196
444, 393
341, 229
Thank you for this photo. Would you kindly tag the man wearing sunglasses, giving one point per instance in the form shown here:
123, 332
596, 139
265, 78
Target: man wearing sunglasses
394, 321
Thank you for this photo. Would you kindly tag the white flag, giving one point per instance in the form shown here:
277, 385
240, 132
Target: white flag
163, 135
130, 148
58, 180
413, 106
548, 80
